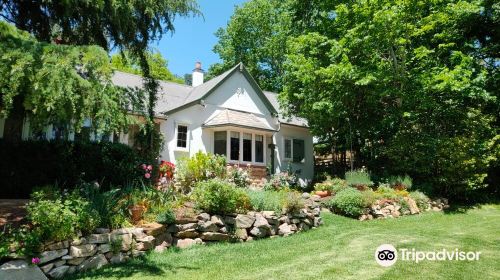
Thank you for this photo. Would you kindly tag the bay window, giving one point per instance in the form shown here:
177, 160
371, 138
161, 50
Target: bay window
241, 146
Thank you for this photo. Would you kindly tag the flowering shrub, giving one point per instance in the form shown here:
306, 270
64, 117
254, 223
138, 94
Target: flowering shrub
281, 180
239, 176
148, 169
167, 169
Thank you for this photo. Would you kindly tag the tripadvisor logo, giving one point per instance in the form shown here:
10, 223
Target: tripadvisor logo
387, 255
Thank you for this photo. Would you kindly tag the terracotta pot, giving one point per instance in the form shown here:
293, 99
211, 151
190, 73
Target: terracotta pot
136, 211
323, 193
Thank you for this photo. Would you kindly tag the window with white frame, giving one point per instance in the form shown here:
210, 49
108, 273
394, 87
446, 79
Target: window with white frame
182, 136
220, 143
240, 146
294, 149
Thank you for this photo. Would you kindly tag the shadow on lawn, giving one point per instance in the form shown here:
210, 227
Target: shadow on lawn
142, 266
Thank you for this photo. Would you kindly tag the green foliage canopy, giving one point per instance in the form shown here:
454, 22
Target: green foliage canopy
58, 83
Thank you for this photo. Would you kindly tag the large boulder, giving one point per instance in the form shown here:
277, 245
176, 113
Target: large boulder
214, 236
126, 240
190, 233
98, 238
260, 232
154, 229
48, 256
244, 221
208, 226
186, 243
21, 270
94, 262
203, 217
82, 250
241, 233
284, 230
58, 272
218, 220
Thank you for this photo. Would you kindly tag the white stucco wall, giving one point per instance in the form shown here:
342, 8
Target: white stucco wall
305, 168
235, 93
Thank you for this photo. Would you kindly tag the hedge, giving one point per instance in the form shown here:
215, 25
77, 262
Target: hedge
30, 164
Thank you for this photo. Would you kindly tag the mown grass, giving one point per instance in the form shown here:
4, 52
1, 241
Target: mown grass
343, 248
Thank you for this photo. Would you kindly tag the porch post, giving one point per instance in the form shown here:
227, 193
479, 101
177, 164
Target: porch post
272, 146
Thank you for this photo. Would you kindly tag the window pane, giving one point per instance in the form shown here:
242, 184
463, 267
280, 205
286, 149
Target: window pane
288, 148
182, 136
259, 148
220, 140
298, 150
247, 147
235, 145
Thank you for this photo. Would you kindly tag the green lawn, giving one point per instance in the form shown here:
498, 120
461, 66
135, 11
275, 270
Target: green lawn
342, 248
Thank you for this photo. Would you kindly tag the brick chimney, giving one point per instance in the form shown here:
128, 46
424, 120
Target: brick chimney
197, 76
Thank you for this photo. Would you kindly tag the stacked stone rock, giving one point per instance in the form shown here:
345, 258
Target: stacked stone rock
104, 246
383, 209
204, 227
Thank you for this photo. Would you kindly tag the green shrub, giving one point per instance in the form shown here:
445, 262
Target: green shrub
369, 197
282, 180
28, 164
292, 201
61, 218
199, 167
333, 185
216, 196
350, 202
266, 200
421, 199
110, 205
19, 242
358, 178
400, 182
166, 217
386, 192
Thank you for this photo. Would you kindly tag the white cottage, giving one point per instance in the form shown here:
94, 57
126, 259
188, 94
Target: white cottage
230, 116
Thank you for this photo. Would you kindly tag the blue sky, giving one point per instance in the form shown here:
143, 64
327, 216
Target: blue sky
194, 38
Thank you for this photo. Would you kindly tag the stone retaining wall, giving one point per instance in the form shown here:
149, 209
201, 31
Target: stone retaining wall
105, 246
385, 208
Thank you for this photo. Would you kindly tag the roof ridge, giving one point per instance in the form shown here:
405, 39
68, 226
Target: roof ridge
163, 81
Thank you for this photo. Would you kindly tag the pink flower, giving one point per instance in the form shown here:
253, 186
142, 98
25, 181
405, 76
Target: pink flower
147, 175
35, 260
150, 167
144, 166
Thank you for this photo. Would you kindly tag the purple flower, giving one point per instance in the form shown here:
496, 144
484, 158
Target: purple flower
147, 175
35, 260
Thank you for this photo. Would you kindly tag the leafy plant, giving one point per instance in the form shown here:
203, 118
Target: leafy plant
166, 217
61, 218
292, 201
266, 200
421, 199
350, 202
333, 185
220, 197
201, 166
358, 178
400, 182
281, 180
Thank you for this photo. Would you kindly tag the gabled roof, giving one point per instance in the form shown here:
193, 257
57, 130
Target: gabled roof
174, 97
230, 117
204, 90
